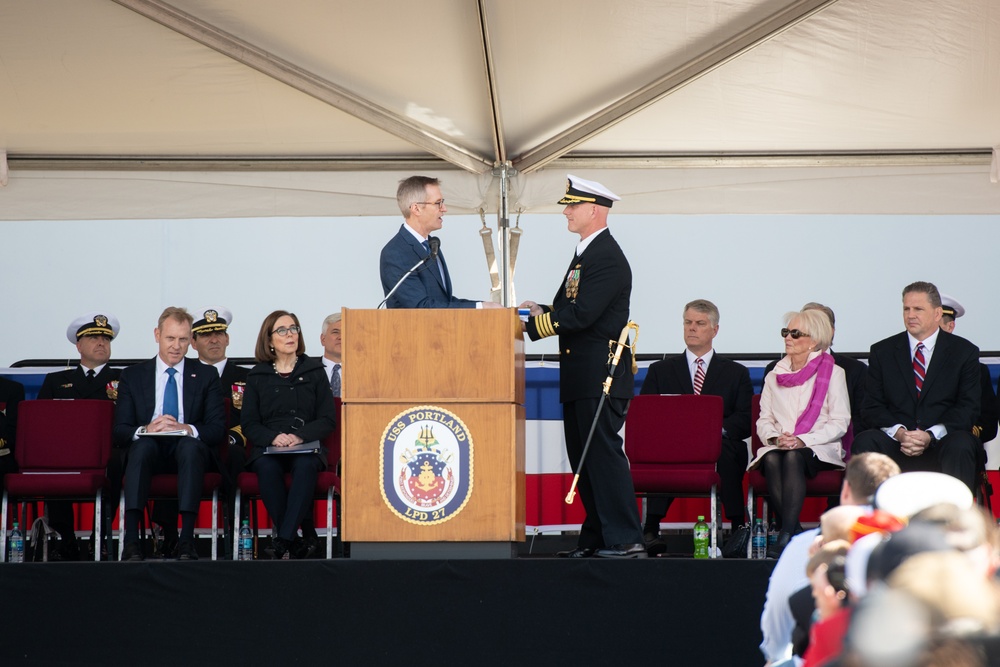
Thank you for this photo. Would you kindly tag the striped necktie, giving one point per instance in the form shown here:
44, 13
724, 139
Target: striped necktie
919, 367
699, 375
335, 380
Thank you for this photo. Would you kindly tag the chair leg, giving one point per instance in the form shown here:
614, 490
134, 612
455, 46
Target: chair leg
97, 525
751, 514
236, 528
121, 524
714, 527
215, 524
329, 523
3, 528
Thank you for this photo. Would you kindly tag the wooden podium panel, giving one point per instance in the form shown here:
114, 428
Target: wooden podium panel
494, 511
444, 355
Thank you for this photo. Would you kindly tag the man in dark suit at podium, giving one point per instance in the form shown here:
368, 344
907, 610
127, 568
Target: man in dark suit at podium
429, 286
923, 393
699, 370
93, 378
589, 310
181, 400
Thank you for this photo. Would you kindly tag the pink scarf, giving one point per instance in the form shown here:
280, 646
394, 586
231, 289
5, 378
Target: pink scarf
822, 367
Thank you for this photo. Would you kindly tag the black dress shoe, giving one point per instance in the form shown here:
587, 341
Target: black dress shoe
186, 550
736, 545
622, 551
132, 553
579, 552
279, 550
774, 550
654, 544
307, 547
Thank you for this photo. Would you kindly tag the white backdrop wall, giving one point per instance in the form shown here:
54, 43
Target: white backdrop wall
755, 268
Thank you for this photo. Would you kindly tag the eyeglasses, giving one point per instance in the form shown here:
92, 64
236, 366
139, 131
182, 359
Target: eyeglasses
439, 203
794, 333
284, 331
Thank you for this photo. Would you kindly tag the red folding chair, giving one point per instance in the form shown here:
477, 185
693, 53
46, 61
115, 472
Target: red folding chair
327, 488
163, 486
826, 483
673, 444
62, 451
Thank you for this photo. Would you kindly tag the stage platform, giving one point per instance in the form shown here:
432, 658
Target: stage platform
523, 611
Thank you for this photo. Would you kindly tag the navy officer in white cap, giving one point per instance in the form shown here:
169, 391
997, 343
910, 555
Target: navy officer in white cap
92, 334
985, 427
590, 308
92, 378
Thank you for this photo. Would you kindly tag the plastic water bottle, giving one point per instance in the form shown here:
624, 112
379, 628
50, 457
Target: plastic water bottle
246, 542
772, 533
758, 540
701, 538
16, 545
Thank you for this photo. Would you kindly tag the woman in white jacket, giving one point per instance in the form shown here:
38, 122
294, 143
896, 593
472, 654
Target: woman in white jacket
804, 413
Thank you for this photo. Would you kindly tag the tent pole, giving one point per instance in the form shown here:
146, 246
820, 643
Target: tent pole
504, 172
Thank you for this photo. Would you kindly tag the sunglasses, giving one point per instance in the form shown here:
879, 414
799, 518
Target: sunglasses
794, 333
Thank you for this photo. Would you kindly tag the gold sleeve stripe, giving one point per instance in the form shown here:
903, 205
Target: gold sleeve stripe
543, 323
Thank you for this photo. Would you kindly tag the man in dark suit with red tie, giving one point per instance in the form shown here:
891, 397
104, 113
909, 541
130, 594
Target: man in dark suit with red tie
181, 400
923, 393
93, 378
699, 370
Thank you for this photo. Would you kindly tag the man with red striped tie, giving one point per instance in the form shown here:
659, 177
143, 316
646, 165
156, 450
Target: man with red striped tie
699, 370
923, 393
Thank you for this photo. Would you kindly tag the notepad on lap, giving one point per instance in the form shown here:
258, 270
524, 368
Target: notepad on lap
310, 447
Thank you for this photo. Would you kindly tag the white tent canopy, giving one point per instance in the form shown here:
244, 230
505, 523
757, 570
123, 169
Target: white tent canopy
242, 108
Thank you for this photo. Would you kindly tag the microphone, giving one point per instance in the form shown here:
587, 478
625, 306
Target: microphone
435, 245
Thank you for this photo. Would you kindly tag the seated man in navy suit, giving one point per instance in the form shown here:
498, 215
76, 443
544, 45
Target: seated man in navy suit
429, 286
923, 394
178, 397
717, 376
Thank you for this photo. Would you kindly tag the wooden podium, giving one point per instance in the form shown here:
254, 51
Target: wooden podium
433, 433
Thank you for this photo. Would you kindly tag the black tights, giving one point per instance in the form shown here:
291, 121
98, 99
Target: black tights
785, 472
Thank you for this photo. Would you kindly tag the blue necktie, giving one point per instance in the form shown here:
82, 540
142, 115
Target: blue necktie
427, 246
170, 395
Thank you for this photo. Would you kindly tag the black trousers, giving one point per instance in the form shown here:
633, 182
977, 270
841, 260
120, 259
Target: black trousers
732, 466
955, 454
186, 456
287, 507
605, 485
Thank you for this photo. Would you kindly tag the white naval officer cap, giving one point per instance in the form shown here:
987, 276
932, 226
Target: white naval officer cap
95, 323
579, 191
950, 306
211, 318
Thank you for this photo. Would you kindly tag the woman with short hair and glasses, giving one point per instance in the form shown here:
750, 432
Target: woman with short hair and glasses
804, 413
287, 402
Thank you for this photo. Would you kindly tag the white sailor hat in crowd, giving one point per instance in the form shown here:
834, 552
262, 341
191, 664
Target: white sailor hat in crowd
906, 494
211, 318
950, 306
579, 191
95, 323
